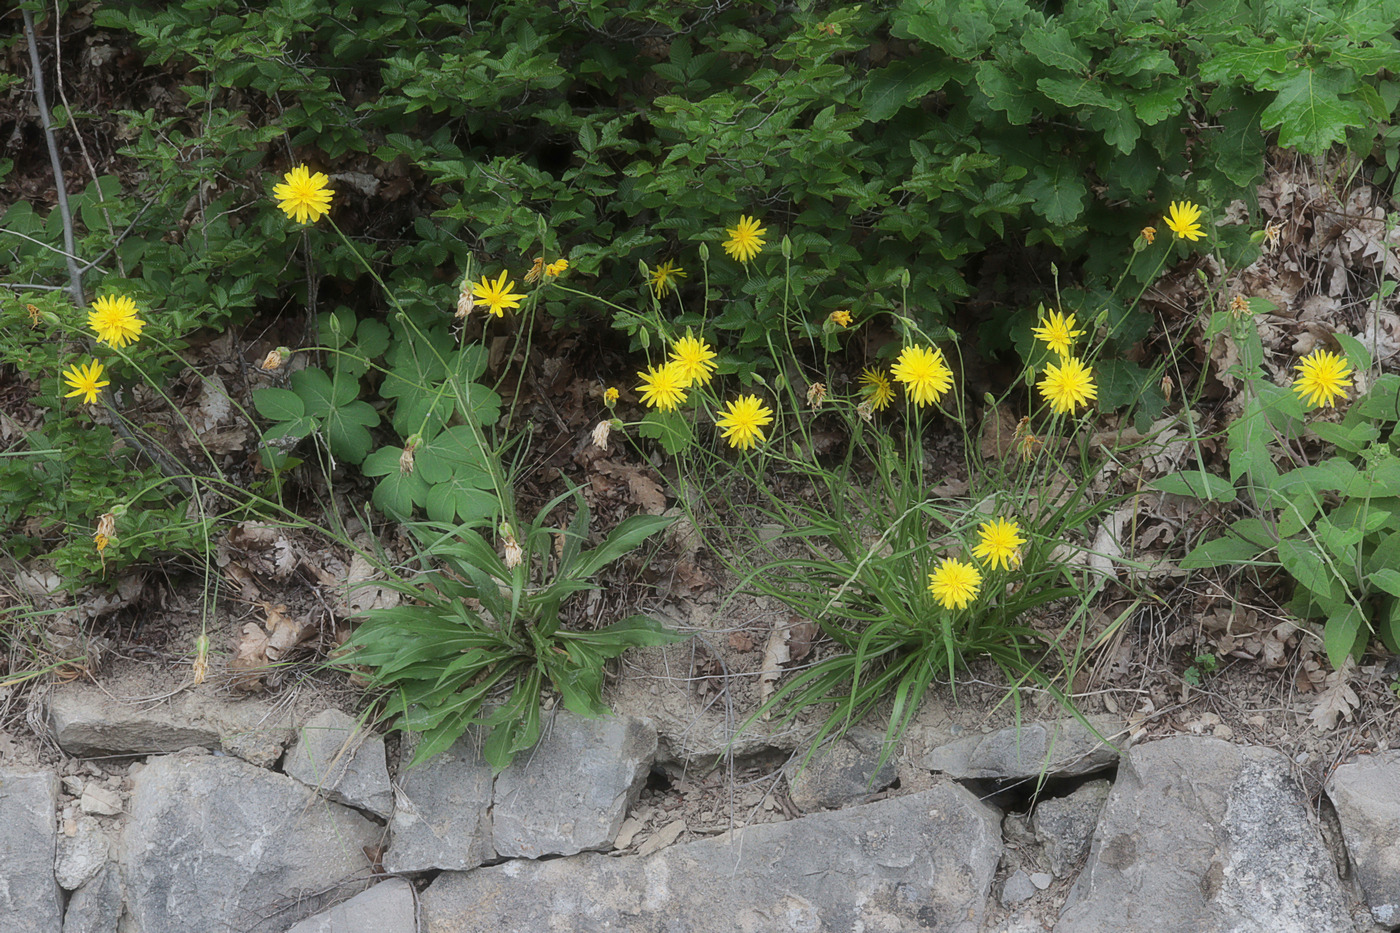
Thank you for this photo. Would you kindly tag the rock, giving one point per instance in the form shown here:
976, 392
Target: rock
1017, 888
1366, 793
571, 792
215, 843
29, 895
385, 908
263, 749
1200, 835
81, 855
1065, 749
843, 772
100, 801
343, 762
442, 812
1064, 825
1041, 879
96, 906
920, 862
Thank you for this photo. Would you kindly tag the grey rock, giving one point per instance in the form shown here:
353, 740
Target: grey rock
1041, 879
1202, 836
29, 895
385, 908
96, 907
255, 746
1017, 888
1065, 748
343, 762
215, 843
1064, 825
842, 772
100, 801
442, 812
1366, 794
920, 862
81, 855
571, 792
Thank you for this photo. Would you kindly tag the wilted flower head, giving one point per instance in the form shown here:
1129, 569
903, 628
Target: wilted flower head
601, 432
816, 393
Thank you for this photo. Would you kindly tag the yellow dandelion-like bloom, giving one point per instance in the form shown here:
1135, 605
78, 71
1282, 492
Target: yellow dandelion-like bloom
694, 358
1068, 385
745, 239
954, 583
113, 318
556, 268
663, 387
924, 372
744, 420
876, 389
999, 544
664, 277
86, 381
840, 318
1057, 332
497, 295
610, 395
303, 196
1322, 377
1181, 219
1149, 234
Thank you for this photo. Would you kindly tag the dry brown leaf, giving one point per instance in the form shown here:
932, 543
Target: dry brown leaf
285, 632
1337, 699
999, 436
800, 641
741, 641
775, 655
249, 656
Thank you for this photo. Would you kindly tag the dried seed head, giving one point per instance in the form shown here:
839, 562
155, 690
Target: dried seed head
601, 433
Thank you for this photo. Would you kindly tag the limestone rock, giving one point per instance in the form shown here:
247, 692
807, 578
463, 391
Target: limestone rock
1064, 825
81, 855
1202, 836
843, 772
571, 792
920, 862
1017, 888
100, 801
385, 908
29, 895
96, 907
442, 812
343, 762
215, 843
1366, 793
1065, 748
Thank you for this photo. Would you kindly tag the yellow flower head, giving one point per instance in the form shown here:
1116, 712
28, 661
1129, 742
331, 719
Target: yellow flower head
303, 196
610, 395
694, 358
86, 381
999, 544
497, 295
113, 318
556, 268
1057, 332
744, 420
1181, 219
924, 372
745, 239
876, 389
664, 277
663, 387
1322, 377
954, 583
840, 318
1068, 385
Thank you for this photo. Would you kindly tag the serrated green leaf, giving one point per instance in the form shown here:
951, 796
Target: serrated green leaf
1197, 484
889, 90
1309, 113
1059, 192
1053, 46
670, 428
1257, 58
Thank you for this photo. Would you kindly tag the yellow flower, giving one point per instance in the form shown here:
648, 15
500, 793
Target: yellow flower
843, 318
694, 358
924, 372
663, 277
999, 543
1057, 332
1149, 234
497, 295
1182, 217
303, 195
610, 395
113, 318
556, 268
1068, 385
86, 381
954, 584
743, 421
1323, 377
875, 387
663, 387
745, 239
